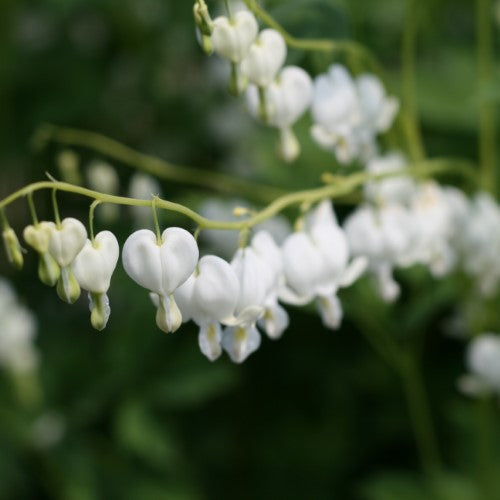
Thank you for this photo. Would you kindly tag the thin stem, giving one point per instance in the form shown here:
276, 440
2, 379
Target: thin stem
227, 3
410, 117
342, 187
161, 169
32, 208
91, 219
487, 121
57, 217
420, 415
155, 219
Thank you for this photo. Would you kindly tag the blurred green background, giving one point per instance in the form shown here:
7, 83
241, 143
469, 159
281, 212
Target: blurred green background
142, 415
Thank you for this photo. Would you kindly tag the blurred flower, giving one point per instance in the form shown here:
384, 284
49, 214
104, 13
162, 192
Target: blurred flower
483, 363
17, 332
102, 177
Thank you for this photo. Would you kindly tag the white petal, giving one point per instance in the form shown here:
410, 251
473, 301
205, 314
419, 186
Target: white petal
216, 289
330, 310
275, 321
168, 316
184, 299
209, 340
240, 342
355, 269
95, 264
67, 241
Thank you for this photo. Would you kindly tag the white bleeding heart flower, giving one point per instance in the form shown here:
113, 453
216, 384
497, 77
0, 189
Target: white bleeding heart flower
241, 338
93, 268
286, 99
232, 38
385, 236
66, 241
38, 237
265, 57
316, 264
161, 267
275, 319
209, 298
379, 110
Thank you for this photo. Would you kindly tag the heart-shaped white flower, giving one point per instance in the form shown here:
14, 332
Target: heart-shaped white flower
95, 264
161, 267
209, 297
66, 241
231, 38
265, 57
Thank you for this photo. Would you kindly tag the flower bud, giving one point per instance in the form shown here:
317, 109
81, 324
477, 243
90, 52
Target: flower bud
13, 248
38, 236
168, 315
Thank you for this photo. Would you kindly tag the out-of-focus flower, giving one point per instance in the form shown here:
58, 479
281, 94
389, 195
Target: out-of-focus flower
17, 332
143, 187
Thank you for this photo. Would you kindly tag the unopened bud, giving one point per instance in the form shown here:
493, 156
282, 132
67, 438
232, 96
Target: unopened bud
68, 288
202, 18
13, 248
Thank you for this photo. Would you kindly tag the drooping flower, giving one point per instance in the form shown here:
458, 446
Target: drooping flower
209, 298
93, 268
286, 99
242, 338
231, 38
384, 235
348, 113
265, 57
66, 241
161, 267
38, 237
317, 263
12, 248
275, 318
102, 176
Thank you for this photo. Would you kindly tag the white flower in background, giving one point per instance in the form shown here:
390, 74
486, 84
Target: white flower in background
38, 237
316, 264
286, 99
480, 243
224, 243
483, 363
265, 57
93, 268
242, 337
383, 235
433, 222
17, 332
143, 187
378, 109
102, 176
209, 298
161, 267
335, 112
275, 319
348, 114
231, 38
66, 241
397, 189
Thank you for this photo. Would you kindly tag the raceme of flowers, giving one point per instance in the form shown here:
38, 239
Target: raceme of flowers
348, 113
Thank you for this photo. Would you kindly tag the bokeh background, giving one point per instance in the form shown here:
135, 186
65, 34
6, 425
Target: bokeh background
131, 413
